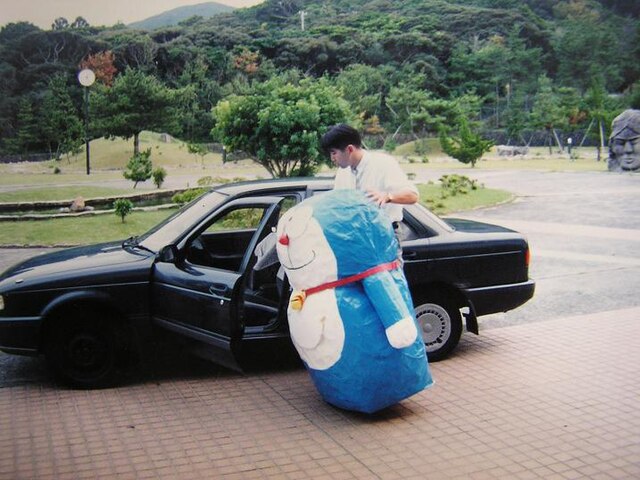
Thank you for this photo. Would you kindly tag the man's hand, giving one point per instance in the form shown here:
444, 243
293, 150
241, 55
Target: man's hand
379, 198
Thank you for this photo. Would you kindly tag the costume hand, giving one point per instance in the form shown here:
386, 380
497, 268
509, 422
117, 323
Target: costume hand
403, 333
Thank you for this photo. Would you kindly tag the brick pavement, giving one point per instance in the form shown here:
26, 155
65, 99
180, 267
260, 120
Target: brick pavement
555, 399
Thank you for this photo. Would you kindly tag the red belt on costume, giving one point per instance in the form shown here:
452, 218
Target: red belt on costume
298, 298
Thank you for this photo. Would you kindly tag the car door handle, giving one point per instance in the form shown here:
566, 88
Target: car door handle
408, 255
218, 289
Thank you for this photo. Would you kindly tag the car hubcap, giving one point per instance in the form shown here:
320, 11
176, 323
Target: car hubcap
86, 353
435, 325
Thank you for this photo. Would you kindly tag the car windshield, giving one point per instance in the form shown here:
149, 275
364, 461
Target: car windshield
430, 218
170, 230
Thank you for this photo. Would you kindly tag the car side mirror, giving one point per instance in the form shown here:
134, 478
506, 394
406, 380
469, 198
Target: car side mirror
168, 254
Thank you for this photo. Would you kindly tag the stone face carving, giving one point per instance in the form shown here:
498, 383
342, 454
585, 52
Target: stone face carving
624, 143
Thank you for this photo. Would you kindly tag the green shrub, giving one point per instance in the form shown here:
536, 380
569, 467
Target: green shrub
209, 180
390, 145
139, 167
158, 175
187, 195
421, 146
452, 185
123, 207
206, 181
468, 147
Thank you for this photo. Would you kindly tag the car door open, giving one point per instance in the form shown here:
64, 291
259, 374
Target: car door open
200, 293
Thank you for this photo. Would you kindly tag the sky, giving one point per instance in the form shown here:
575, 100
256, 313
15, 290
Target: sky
42, 13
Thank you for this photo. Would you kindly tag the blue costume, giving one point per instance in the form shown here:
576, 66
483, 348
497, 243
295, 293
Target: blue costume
351, 315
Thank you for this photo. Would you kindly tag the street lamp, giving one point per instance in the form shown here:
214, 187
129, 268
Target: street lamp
86, 78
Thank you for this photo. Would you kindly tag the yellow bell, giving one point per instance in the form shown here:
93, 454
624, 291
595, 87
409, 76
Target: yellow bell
297, 300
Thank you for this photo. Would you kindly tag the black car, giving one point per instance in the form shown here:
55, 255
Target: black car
196, 275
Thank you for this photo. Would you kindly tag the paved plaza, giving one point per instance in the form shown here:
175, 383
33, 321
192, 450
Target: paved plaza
545, 400
553, 393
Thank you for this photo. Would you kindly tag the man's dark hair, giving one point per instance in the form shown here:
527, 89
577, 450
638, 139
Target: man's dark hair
339, 136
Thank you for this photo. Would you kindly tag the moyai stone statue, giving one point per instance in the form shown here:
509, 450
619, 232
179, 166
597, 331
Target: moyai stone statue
624, 143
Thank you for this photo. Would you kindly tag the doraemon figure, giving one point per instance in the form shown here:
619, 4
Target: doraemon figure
350, 314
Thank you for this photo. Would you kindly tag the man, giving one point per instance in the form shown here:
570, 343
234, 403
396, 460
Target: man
377, 174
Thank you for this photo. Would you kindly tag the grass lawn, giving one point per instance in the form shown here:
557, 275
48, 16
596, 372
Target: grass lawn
84, 230
36, 181
538, 158
109, 158
430, 196
78, 230
42, 194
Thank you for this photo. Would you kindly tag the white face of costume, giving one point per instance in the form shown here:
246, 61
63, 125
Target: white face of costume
316, 329
307, 256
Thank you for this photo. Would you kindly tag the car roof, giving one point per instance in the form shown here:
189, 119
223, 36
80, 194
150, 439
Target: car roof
318, 184
262, 187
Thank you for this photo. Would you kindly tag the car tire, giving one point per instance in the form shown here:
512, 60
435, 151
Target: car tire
440, 324
83, 352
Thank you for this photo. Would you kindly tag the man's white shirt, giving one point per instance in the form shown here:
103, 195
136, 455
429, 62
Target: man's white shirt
376, 171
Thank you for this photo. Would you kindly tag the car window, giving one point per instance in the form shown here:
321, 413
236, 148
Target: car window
170, 229
288, 203
223, 242
238, 219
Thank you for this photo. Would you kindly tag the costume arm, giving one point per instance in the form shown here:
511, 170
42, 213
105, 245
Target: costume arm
387, 300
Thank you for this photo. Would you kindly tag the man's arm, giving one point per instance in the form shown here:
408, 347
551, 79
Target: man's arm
404, 196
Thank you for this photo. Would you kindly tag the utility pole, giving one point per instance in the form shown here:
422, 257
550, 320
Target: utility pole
86, 78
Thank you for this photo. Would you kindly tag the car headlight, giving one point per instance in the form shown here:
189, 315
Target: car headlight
1, 303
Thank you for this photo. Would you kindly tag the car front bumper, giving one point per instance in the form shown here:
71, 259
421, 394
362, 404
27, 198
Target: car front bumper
499, 298
20, 335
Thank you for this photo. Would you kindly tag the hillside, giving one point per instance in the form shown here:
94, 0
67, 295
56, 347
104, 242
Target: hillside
405, 67
177, 15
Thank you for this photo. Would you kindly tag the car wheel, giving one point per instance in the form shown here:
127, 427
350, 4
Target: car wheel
82, 352
441, 326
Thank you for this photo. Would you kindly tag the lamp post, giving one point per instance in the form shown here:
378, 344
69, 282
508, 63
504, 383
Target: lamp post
86, 78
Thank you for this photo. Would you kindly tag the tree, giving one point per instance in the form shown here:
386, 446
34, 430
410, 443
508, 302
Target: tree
196, 120
60, 23
103, 66
134, 103
633, 97
599, 111
199, 149
547, 112
488, 67
418, 112
364, 87
587, 45
62, 128
159, 174
80, 22
280, 125
27, 136
139, 168
122, 207
515, 117
468, 147
134, 49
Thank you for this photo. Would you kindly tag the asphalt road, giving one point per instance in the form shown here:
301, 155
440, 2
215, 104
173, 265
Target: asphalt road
584, 233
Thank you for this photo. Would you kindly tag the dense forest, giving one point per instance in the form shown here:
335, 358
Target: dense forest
400, 69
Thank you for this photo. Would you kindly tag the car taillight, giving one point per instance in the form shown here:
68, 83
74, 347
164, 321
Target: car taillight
527, 256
